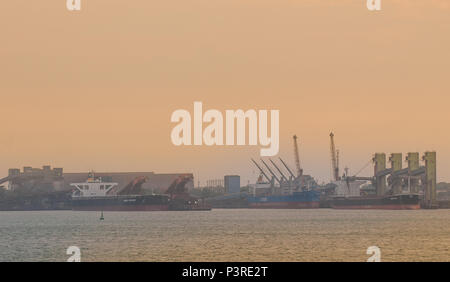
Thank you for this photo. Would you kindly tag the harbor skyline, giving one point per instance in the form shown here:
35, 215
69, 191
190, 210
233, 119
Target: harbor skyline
225, 139
96, 90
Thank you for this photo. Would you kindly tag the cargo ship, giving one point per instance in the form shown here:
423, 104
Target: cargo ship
297, 200
389, 202
97, 195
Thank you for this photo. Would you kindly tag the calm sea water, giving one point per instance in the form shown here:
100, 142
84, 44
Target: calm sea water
226, 235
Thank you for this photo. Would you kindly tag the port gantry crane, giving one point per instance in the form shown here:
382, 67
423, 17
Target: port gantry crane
334, 159
283, 177
287, 167
262, 171
273, 174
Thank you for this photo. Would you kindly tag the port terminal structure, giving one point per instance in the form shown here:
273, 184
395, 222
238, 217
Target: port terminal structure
415, 178
418, 177
45, 177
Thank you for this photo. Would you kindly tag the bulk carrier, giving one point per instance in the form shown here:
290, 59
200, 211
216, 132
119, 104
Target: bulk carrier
97, 195
292, 193
392, 202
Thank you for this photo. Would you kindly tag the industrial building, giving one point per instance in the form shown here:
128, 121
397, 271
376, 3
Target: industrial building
232, 184
57, 180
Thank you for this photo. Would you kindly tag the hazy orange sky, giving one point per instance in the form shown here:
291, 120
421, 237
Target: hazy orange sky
95, 89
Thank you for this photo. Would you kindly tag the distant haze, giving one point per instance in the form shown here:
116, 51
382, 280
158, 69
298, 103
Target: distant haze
96, 89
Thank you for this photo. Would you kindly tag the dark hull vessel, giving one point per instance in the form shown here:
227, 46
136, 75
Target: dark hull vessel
137, 203
122, 203
393, 202
96, 195
298, 200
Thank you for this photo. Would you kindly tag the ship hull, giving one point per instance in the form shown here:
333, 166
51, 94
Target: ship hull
123, 208
122, 203
137, 203
298, 200
395, 202
285, 205
378, 207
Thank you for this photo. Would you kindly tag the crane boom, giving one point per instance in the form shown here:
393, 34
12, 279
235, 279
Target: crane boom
337, 164
279, 170
334, 159
297, 157
271, 172
288, 169
262, 171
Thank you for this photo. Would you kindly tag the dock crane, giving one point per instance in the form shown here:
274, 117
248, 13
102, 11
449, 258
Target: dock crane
262, 171
334, 159
297, 158
288, 169
279, 170
297, 163
271, 172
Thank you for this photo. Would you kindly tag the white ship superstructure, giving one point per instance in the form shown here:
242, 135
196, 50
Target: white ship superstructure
93, 187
